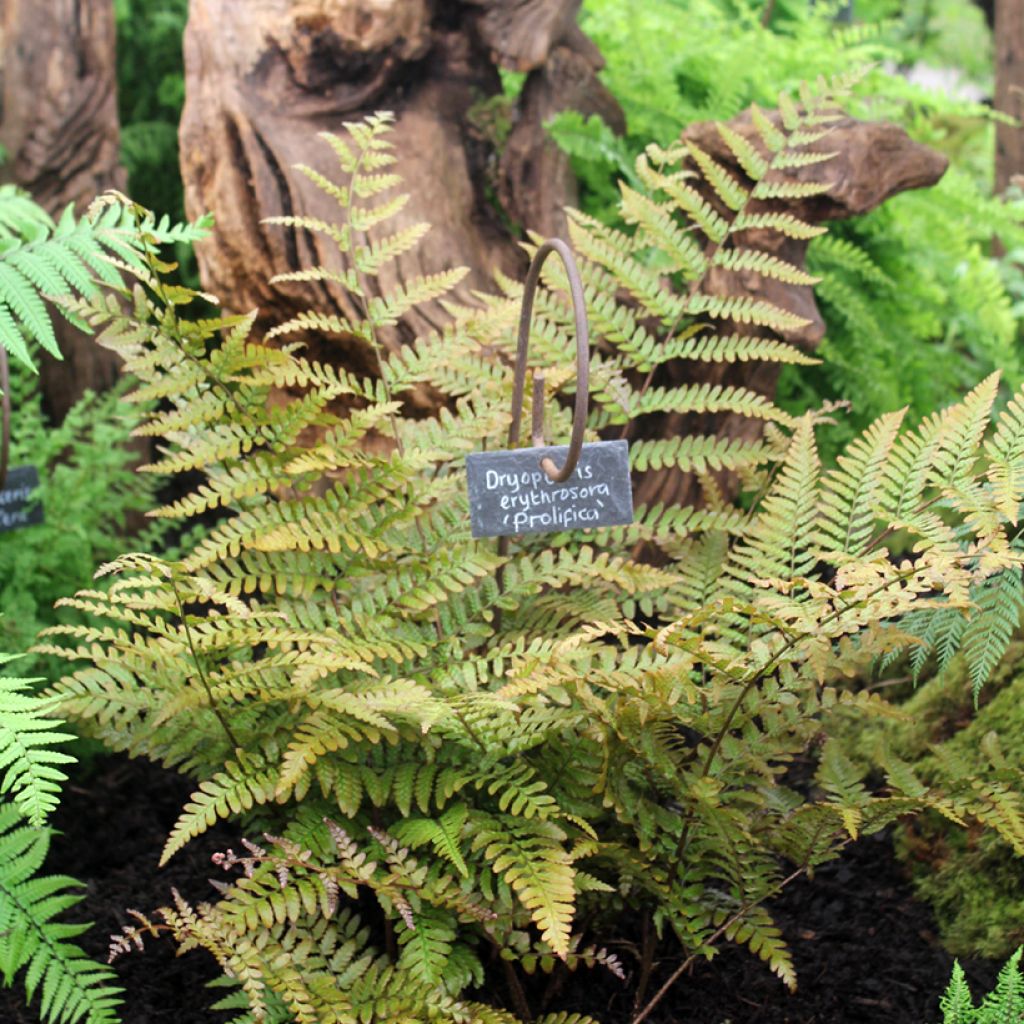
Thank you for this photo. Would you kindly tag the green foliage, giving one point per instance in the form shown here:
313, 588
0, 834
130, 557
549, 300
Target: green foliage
40, 259
973, 878
151, 92
476, 751
31, 776
70, 987
910, 285
87, 489
1004, 1003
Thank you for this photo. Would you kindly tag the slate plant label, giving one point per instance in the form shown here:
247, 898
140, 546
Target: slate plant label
18, 505
510, 494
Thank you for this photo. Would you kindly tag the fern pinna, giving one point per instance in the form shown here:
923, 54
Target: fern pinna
41, 258
447, 768
33, 945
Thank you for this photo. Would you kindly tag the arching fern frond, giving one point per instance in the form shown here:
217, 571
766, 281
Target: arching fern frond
45, 259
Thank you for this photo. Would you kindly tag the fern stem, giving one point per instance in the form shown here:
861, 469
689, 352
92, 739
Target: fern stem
649, 944
714, 937
515, 988
473, 734
201, 672
890, 530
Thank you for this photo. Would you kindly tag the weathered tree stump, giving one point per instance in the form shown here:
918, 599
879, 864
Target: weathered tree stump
873, 161
263, 76
61, 131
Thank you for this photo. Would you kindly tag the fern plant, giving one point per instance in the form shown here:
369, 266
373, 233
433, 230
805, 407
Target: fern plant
40, 258
71, 987
450, 762
1004, 1003
89, 494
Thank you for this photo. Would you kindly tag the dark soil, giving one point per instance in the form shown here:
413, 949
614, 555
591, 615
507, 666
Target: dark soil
113, 826
865, 951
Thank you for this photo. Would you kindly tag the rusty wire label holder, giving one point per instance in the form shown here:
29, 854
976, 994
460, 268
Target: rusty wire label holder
18, 505
5, 416
524, 490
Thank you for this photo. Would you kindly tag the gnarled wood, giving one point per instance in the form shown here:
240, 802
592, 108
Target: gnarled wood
873, 160
536, 182
263, 76
62, 134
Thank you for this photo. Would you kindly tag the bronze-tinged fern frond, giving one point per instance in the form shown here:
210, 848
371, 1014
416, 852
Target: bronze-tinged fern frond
486, 750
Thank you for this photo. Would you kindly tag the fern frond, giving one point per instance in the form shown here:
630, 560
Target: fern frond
30, 771
71, 987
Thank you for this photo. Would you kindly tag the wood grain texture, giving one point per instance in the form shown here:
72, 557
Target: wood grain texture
1009, 98
264, 76
61, 131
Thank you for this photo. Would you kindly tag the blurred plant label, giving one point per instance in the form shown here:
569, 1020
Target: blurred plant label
18, 506
509, 492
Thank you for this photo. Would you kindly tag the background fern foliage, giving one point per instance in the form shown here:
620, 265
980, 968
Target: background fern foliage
912, 285
448, 762
88, 490
41, 259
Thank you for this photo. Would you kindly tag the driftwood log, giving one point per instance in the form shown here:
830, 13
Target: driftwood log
873, 161
264, 76
60, 128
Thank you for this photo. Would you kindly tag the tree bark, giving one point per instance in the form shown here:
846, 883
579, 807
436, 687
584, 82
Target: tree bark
264, 76
873, 160
1009, 98
61, 131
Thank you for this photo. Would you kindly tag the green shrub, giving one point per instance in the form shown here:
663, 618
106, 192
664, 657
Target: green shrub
88, 490
458, 751
972, 877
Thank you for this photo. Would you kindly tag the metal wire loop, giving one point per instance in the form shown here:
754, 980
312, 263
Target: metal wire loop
579, 416
5, 416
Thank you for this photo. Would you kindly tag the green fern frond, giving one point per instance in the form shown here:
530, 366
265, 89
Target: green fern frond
956, 1003
69, 258
30, 771
71, 987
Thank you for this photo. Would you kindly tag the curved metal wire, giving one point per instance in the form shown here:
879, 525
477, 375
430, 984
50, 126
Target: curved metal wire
5, 416
579, 416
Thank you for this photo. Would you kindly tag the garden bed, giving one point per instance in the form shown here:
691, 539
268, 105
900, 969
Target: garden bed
865, 950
